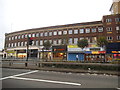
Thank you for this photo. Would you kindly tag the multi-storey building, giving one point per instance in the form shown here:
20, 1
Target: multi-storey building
109, 27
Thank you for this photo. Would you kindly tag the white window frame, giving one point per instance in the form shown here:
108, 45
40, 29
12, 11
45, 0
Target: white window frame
81, 30
87, 30
100, 29
70, 31
55, 33
59, 32
94, 30
76, 31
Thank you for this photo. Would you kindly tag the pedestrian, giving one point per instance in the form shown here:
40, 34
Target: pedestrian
77, 57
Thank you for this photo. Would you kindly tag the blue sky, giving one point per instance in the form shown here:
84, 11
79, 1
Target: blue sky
18, 15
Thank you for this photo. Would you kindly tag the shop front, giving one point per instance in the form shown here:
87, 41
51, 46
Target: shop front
21, 53
95, 56
75, 53
59, 52
11, 53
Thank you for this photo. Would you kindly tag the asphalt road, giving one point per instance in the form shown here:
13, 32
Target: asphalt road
22, 78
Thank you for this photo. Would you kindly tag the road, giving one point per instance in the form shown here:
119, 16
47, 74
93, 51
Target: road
24, 78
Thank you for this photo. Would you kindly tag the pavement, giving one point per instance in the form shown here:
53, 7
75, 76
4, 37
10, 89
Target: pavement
26, 78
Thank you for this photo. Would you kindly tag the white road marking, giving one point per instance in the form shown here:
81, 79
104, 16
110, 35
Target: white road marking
19, 75
41, 80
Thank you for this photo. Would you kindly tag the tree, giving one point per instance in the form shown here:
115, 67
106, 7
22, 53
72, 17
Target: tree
82, 43
102, 42
47, 46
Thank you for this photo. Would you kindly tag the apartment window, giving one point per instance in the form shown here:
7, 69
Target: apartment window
37, 43
100, 29
118, 37
93, 30
75, 40
9, 45
25, 43
46, 34
70, 41
12, 45
81, 30
26, 35
12, 38
59, 32
50, 33
54, 42
21, 43
55, 32
29, 35
15, 44
87, 30
9, 38
108, 20
117, 28
33, 35
41, 42
59, 41
18, 44
109, 38
33, 42
94, 39
50, 41
109, 29
88, 39
81, 38
64, 32
70, 31
117, 19
75, 31
22, 36
15, 37
37, 34
41, 34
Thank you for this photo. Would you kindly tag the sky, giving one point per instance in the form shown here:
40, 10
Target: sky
17, 15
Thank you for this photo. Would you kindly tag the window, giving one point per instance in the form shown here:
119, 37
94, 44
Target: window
81, 38
15, 37
108, 20
81, 30
15, 44
94, 39
36, 43
75, 40
22, 36
109, 38
59, 41
70, 32
88, 38
64, 32
50, 33
25, 35
75, 31
50, 41
41, 42
93, 30
87, 30
117, 28
70, 41
18, 44
9, 38
12, 38
41, 34
100, 29
12, 45
46, 34
25, 43
55, 33
118, 37
33, 35
21, 43
29, 35
54, 42
37, 34
9, 45
109, 29
117, 19
59, 32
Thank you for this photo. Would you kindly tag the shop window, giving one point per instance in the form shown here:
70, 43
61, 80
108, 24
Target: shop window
81, 30
70, 31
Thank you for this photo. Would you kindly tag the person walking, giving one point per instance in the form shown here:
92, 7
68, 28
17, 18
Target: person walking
77, 57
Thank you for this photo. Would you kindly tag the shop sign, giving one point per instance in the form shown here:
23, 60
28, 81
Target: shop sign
115, 51
72, 46
88, 52
11, 51
59, 48
102, 52
95, 52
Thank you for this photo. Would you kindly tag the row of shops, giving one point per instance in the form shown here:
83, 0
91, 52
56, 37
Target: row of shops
63, 52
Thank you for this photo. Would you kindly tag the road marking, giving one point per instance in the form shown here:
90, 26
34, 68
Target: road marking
50, 81
19, 75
